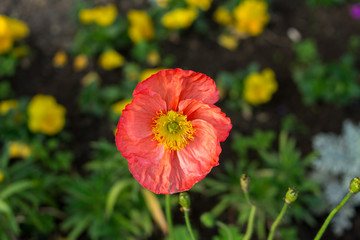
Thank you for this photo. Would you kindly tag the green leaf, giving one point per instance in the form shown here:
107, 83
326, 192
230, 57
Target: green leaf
16, 188
114, 192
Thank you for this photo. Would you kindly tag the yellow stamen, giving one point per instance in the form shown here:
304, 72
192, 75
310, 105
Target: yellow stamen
172, 129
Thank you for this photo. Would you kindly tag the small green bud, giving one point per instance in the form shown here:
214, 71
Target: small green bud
291, 195
244, 182
355, 185
184, 201
208, 219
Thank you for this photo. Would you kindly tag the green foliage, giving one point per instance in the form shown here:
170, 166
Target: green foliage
333, 82
228, 232
271, 173
107, 203
8, 64
328, 3
97, 100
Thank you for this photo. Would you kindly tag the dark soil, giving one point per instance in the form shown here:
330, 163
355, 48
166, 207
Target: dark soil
52, 29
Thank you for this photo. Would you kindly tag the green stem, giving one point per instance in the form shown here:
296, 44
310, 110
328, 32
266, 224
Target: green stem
168, 216
188, 224
331, 215
250, 226
277, 221
248, 198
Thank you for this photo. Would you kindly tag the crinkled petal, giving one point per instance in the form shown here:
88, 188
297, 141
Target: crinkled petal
134, 137
201, 154
167, 177
175, 85
208, 112
178, 171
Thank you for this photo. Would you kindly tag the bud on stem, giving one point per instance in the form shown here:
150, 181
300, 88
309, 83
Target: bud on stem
184, 201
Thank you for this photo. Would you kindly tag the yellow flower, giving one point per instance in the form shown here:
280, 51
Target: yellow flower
141, 26
251, 17
11, 30
259, 88
111, 59
179, 18
119, 106
7, 105
228, 41
59, 59
146, 73
202, 4
18, 28
222, 16
86, 16
45, 115
19, 150
153, 58
80, 62
1, 177
103, 16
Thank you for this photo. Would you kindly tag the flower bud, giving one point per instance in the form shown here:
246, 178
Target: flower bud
291, 195
208, 219
355, 185
184, 201
244, 182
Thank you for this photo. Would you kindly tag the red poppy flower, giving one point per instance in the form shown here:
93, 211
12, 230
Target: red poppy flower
171, 132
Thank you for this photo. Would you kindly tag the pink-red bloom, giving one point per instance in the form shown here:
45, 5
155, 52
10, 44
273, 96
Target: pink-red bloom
171, 132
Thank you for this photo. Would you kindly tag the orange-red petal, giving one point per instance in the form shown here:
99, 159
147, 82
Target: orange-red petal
178, 171
175, 85
208, 112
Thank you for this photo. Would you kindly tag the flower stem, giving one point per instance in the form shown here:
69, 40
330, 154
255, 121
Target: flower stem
250, 226
331, 215
168, 216
188, 224
277, 221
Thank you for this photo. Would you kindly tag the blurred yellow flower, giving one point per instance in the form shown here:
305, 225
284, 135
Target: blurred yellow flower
228, 41
179, 18
10, 31
19, 29
45, 115
111, 59
7, 105
90, 78
141, 26
103, 15
259, 87
6, 44
202, 4
1, 177
222, 16
19, 150
153, 58
60, 59
80, 62
251, 16
119, 106
146, 73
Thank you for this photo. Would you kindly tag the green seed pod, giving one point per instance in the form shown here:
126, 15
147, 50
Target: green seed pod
184, 201
355, 185
291, 195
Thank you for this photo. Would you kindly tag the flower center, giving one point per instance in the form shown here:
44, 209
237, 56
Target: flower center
172, 129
